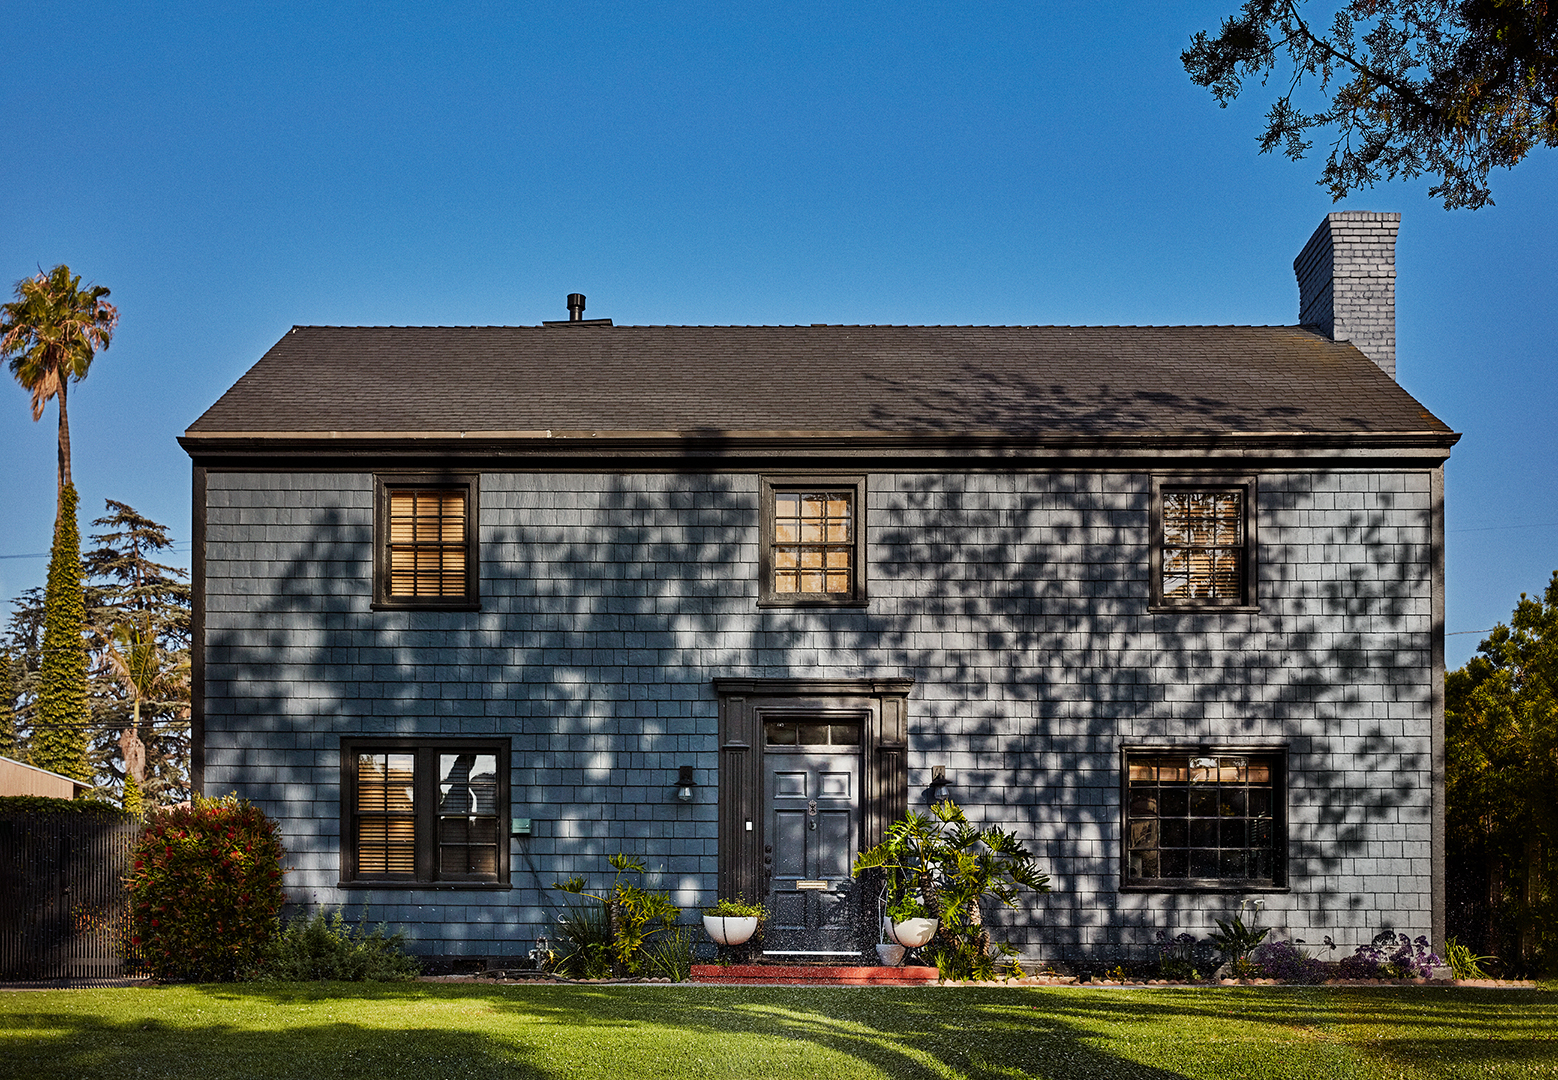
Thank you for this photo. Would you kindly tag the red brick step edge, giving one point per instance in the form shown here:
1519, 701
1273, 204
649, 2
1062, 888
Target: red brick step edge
812, 976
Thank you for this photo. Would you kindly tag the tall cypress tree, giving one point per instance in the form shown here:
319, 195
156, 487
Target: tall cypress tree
59, 735
8, 740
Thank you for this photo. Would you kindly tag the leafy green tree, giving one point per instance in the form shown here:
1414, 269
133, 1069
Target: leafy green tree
59, 731
139, 615
50, 333
1452, 88
22, 643
1502, 777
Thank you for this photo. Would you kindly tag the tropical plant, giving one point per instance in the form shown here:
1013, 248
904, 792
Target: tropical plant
1465, 964
205, 889
50, 333
59, 731
953, 868
631, 915
585, 952
1234, 941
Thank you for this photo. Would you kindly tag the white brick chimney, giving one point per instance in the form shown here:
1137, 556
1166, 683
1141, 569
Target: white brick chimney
1347, 282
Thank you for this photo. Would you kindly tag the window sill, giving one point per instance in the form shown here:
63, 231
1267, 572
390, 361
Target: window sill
1202, 609
430, 886
1203, 887
775, 603
462, 606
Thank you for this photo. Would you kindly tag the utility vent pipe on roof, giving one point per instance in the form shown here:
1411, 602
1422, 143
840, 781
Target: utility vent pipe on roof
576, 307
1347, 282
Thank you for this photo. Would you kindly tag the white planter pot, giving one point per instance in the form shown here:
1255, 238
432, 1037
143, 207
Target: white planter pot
890, 955
912, 933
730, 929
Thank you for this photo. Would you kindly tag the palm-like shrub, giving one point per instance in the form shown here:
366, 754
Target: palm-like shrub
953, 868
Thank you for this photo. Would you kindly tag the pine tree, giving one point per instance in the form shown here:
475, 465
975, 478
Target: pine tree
59, 734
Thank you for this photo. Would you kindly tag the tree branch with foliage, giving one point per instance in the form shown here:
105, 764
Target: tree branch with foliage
1448, 88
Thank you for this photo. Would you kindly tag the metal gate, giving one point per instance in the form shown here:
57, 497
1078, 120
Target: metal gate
64, 909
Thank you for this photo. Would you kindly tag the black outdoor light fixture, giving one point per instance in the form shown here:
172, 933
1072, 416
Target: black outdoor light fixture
685, 783
938, 783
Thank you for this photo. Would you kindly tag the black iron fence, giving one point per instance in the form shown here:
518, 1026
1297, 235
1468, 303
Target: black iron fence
64, 911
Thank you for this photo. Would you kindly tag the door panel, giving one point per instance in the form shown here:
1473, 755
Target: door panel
812, 836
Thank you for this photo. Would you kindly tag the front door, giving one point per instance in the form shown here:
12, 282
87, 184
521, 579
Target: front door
811, 788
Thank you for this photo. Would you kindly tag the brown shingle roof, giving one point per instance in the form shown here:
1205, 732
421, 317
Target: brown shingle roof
898, 380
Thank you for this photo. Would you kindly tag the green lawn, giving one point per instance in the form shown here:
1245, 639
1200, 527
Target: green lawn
424, 1031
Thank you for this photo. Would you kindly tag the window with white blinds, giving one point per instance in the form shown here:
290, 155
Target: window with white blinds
431, 810
425, 542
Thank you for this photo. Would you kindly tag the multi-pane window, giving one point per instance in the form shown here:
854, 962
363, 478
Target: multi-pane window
426, 552
430, 810
1202, 554
1203, 819
812, 543
427, 543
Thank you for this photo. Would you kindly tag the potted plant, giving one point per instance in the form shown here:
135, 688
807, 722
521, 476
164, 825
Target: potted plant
937, 871
733, 921
908, 922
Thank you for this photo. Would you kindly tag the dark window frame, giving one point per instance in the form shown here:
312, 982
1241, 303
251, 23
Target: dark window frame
1248, 600
425, 809
855, 485
1276, 754
386, 483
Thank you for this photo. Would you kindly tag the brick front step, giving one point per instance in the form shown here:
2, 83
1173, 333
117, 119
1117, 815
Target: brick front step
779, 975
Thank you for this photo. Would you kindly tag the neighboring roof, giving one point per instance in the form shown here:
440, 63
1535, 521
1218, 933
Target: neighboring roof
666, 382
20, 778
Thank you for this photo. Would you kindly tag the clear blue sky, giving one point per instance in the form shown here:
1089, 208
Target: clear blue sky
232, 170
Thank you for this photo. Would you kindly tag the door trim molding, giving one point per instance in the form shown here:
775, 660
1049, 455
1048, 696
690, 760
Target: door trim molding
883, 706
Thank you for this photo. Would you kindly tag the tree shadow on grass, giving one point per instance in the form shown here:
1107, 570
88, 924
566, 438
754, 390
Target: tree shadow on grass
555, 1032
546, 1032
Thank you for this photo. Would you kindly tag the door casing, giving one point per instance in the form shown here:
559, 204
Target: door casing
882, 707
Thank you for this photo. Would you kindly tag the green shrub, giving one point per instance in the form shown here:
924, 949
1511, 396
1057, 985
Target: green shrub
42, 804
669, 956
326, 946
205, 889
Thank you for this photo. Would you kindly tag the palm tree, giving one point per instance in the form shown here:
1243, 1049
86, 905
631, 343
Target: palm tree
50, 333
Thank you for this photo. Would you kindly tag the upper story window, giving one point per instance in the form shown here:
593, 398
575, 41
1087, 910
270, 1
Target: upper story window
425, 553
424, 810
813, 541
1203, 545
1204, 820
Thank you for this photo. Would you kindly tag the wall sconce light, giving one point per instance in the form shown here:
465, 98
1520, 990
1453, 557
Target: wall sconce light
938, 783
685, 783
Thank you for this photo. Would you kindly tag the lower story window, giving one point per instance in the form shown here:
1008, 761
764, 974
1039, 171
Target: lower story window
1208, 819
424, 810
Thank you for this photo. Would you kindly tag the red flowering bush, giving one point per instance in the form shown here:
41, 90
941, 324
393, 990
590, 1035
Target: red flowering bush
205, 889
